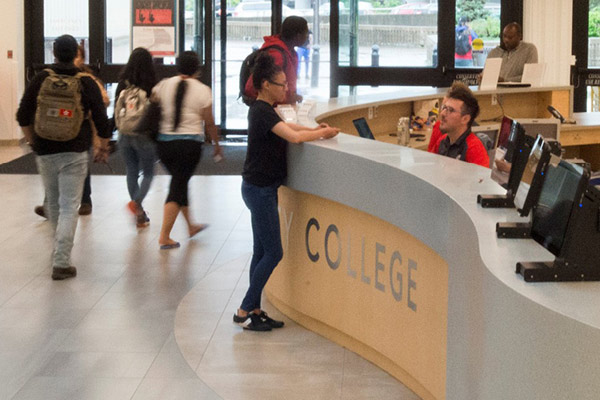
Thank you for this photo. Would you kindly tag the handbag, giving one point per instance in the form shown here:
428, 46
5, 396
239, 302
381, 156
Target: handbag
149, 123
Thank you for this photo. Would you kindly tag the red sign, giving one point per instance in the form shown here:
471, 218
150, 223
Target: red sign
153, 17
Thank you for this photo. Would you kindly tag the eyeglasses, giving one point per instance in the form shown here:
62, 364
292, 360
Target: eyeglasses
284, 84
449, 109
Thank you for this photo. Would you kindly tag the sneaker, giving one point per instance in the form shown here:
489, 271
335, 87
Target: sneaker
270, 321
85, 209
142, 220
132, 207
39, 210
252, 322
58, 274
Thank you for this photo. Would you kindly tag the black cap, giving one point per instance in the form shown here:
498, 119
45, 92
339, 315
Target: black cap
65, 48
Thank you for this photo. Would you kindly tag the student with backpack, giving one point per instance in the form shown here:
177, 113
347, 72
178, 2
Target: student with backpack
138, 150
86, 199
463, 39
294, 32
52, 117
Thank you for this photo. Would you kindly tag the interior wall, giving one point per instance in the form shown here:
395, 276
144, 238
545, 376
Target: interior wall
11, 70
548, 24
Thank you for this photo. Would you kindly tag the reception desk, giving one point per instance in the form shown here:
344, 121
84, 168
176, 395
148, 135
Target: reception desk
388, 253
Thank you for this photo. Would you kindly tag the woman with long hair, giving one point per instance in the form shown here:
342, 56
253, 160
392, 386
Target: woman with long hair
186, 116
265, 169
138, 150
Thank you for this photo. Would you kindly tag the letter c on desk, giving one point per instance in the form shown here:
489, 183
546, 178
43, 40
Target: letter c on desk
311, 222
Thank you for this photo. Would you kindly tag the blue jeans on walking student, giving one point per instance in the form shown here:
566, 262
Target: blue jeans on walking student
139, 153
63, 175
267, 249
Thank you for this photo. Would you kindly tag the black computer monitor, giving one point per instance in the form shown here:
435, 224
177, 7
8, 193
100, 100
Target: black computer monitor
517, 154
363, 129
504, 134
530, 186
558, 200
566, 221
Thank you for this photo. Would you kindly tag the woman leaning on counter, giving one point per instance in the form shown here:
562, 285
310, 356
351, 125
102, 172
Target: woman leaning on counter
264, 171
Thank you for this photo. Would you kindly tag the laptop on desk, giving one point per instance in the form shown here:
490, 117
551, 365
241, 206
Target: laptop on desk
533, 75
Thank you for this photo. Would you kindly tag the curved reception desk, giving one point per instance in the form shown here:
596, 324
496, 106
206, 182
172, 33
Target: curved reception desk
388, 253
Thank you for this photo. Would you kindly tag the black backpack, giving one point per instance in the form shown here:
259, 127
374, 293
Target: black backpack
248, 65
461, 41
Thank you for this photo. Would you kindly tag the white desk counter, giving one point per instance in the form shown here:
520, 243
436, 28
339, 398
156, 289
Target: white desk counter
434, 299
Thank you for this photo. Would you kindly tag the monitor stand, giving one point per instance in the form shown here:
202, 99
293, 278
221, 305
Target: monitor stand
513, 230
557, 271
495, 201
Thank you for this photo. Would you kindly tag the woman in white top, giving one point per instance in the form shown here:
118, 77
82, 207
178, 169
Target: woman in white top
186, 114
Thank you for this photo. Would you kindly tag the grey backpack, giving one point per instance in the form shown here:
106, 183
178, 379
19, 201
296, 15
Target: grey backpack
59, 112
130, 107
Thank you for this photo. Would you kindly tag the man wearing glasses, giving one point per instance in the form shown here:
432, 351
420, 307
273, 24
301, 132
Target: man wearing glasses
457, 114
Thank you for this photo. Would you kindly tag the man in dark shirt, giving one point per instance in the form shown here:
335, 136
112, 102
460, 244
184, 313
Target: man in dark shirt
63, 164
457, 114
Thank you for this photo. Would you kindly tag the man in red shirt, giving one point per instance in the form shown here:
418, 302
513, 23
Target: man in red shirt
294, 32
456, 118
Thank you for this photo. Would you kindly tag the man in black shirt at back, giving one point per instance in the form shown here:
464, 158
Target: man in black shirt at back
61, 163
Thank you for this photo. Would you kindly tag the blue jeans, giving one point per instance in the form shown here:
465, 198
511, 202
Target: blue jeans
139, 153
463, 63
267, 249
63, 175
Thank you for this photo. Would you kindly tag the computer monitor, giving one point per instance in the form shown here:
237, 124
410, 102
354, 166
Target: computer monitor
530, 186
549, 128
559, 198
363, 129
504, 134
514, 157
566, 221
517, 154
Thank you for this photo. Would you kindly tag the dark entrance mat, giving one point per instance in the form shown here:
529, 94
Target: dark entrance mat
231, 165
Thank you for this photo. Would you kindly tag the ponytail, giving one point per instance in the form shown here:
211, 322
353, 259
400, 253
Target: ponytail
179, 95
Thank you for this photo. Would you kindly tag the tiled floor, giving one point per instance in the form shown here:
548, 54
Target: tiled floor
140, 323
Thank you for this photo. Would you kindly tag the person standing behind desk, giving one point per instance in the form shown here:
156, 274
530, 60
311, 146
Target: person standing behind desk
459, 110
514, 53
265, 169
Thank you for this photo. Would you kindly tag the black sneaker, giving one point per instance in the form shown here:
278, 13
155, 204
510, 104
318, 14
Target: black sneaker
270, 321
58, 274
142, 220
252, 322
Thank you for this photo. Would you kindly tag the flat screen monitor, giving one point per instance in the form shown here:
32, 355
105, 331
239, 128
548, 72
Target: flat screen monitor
549, 128
363, 129
504, 134
558, 200
512, 158
529, 188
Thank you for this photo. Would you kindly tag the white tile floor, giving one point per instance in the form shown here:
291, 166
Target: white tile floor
140, 323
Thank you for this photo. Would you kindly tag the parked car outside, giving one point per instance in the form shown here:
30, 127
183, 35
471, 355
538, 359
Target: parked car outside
413, 9
257, 9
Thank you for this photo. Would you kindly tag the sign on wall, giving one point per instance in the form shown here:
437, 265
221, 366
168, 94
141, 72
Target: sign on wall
154, 26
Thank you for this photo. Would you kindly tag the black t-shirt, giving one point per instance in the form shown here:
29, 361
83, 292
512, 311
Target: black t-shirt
458, 149
266, 162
